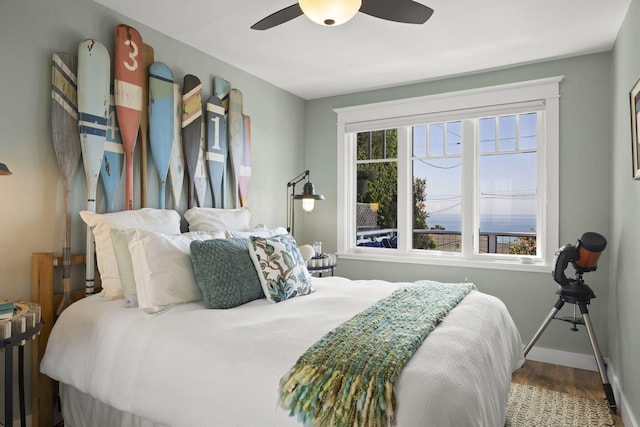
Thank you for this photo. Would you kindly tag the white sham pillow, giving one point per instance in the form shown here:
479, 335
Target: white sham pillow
120, 240
258, 232
162, 268
158, 220
215, 219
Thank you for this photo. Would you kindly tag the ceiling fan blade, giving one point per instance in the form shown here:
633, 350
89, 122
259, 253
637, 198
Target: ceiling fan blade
279, 17
405, 11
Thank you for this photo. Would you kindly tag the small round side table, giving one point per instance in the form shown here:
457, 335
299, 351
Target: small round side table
322, 264
23, 325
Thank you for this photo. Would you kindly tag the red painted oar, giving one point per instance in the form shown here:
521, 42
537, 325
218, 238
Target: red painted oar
147, 60
66, 144
191, 128
128, 82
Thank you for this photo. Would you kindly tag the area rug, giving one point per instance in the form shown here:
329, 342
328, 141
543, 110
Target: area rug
535, 406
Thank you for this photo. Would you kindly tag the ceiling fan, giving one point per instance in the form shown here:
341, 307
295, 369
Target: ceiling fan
336, 12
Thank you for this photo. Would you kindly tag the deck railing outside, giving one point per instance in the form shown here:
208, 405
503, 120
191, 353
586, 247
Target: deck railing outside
491, 242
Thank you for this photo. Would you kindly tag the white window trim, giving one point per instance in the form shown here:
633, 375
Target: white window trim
402, 112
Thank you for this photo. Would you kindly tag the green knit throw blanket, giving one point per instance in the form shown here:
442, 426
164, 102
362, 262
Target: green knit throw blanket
347, 378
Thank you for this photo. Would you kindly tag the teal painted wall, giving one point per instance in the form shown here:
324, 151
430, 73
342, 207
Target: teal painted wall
585, 191
624, 341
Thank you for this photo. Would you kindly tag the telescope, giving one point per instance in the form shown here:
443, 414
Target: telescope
584, 256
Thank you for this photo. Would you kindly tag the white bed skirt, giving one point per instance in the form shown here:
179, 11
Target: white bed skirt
82, 410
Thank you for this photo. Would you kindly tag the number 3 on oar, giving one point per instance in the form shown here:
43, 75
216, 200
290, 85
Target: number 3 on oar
129, 77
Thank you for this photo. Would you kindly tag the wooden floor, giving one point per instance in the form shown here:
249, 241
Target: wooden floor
561, 378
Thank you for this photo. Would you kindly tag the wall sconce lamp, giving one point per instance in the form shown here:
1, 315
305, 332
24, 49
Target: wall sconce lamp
4, 170
308, 198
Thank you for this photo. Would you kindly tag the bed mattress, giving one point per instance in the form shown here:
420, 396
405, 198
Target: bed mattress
190, 366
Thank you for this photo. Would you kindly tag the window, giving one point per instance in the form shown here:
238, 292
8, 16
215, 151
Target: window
467, 178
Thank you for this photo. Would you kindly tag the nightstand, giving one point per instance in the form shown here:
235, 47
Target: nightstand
24, 325
321, 264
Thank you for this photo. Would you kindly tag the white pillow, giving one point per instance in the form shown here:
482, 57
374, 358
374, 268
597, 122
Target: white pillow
162, 268
214, 219
120, 240
258, 232
159, 220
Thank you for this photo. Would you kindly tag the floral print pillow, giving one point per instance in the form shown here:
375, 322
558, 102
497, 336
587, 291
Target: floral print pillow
280, 266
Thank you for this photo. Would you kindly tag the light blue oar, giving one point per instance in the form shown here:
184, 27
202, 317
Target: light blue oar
113, 159
161, 115
176, 161
94, 66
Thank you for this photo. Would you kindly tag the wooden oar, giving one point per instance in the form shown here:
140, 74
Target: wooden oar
113, 160
216, 155
94, 73
147, 60
161, 114
244, 174
200, 184
128, 81
176, 162
236, 142
66, 144
221, 89
191, 128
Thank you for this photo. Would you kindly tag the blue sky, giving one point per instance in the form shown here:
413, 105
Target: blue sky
507, 180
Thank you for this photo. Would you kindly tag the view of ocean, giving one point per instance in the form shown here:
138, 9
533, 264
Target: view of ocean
498, 223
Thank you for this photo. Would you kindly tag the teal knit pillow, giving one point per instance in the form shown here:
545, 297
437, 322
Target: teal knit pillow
225, 272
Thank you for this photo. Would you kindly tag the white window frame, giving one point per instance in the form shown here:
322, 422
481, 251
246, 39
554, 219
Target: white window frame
543, 94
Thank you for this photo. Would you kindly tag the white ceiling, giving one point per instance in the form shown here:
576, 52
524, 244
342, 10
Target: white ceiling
311, 61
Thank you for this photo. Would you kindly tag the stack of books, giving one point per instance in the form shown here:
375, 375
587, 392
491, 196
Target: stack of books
7, 309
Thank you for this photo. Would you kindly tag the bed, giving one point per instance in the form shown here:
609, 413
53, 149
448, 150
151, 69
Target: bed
187, 365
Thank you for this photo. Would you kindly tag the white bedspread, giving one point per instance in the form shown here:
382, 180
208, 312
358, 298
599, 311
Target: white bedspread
195, 367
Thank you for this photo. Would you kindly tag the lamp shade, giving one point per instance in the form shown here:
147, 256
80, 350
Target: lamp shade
330, 12
4, 170
308, 197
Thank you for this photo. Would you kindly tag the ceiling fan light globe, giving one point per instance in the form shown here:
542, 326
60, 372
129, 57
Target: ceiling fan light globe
330, 12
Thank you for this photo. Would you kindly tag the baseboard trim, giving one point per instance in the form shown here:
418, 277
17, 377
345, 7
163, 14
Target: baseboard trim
627, 415
563, 358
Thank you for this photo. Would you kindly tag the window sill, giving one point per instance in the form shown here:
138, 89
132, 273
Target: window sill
450, 260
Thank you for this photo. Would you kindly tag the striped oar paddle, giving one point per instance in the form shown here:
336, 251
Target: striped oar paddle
161, 114
217, 150
191, 128
128, 73
113, 159
244, 174
176, 161
200, 184
221, 89
236, 142
66, 144
94, 68
147, 60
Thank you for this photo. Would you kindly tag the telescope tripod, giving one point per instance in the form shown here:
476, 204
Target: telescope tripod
579, 294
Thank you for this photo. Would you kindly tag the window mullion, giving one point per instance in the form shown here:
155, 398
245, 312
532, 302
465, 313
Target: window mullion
405, 190
469, 196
